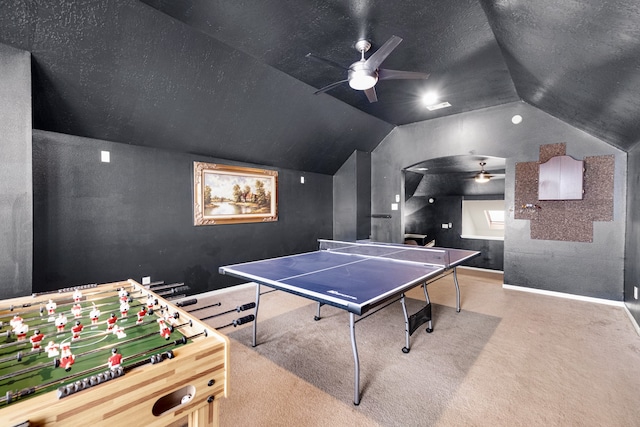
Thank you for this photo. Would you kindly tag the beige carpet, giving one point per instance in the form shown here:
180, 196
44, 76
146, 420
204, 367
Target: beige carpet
508, 359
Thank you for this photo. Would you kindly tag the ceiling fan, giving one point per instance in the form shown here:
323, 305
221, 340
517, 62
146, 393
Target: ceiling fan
365, 73
484, 176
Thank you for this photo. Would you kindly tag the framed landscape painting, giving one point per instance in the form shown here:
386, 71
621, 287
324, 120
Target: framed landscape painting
233, 194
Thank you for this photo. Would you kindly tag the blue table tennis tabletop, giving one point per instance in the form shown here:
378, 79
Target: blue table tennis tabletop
352, 281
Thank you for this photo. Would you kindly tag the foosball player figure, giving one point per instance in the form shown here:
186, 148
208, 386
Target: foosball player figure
51, 307
36, 339
77, 296
119, 331
15, 322
76, 329
21, 331
115, 359
151, 302
124, 308
52, 349
111, 322
60, 322
66, 357
165, 331
76, 310
123, 294
141, 314
94, 314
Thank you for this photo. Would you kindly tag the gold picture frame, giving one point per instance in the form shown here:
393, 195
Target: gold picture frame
233, 194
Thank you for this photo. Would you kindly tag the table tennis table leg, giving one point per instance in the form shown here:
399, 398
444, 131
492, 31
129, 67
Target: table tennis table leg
407, 334
356, 360
455, 281
426, 296
255, 314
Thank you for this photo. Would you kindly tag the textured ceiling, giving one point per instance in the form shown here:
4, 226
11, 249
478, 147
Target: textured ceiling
230, 79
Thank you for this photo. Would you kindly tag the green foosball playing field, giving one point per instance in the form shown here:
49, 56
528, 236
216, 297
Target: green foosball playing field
74, 344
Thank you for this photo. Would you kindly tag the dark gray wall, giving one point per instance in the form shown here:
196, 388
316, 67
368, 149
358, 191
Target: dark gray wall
352, 198
132, 217
16, 226
589, 269
632, 253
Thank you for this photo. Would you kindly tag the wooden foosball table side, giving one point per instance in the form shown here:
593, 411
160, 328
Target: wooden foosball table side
189, 385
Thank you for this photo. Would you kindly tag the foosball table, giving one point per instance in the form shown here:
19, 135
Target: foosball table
108, 354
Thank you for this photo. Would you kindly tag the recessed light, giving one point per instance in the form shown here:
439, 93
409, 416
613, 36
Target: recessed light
430, 98
438, 106
517, 119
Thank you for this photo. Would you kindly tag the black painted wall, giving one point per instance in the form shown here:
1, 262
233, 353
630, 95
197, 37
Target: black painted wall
632, 252
16, 233
352, 198
98, 222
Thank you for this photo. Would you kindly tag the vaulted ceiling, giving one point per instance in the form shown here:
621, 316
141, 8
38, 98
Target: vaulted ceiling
231, 79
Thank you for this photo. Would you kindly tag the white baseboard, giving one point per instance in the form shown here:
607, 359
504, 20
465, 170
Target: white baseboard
564, 295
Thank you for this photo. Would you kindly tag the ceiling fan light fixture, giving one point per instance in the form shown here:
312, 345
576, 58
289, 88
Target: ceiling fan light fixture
482, 177
361, 78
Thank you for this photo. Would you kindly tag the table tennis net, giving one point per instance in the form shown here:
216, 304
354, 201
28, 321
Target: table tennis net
397, 252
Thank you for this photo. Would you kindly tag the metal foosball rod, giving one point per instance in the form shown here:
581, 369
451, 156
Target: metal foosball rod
238, 309
195, 301
41, 307
40, 303
95, 350
238, 322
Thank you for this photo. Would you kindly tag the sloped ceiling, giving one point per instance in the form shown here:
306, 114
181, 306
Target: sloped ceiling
230, 79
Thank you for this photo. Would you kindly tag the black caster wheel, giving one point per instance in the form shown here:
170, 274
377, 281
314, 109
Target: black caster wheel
406, 350
429, 330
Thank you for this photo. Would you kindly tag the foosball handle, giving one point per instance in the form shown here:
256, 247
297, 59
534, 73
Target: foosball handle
243, 320
187, 302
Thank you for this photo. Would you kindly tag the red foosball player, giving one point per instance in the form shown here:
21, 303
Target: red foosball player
61, 321
76, 310
21, 331
77, 296
36, 339
165, 331
51, 307
124, 308
94, 314
115, 359
52, 349
111, 322
141, 314
66, 357
76, 329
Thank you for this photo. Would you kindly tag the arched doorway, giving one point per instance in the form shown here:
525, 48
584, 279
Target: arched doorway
434, 193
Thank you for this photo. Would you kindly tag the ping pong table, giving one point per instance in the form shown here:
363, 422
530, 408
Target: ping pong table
361, 278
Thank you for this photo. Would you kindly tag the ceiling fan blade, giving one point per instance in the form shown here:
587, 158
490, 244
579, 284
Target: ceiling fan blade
381, 54
384, 74
331, 86
371, 94
326, 61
